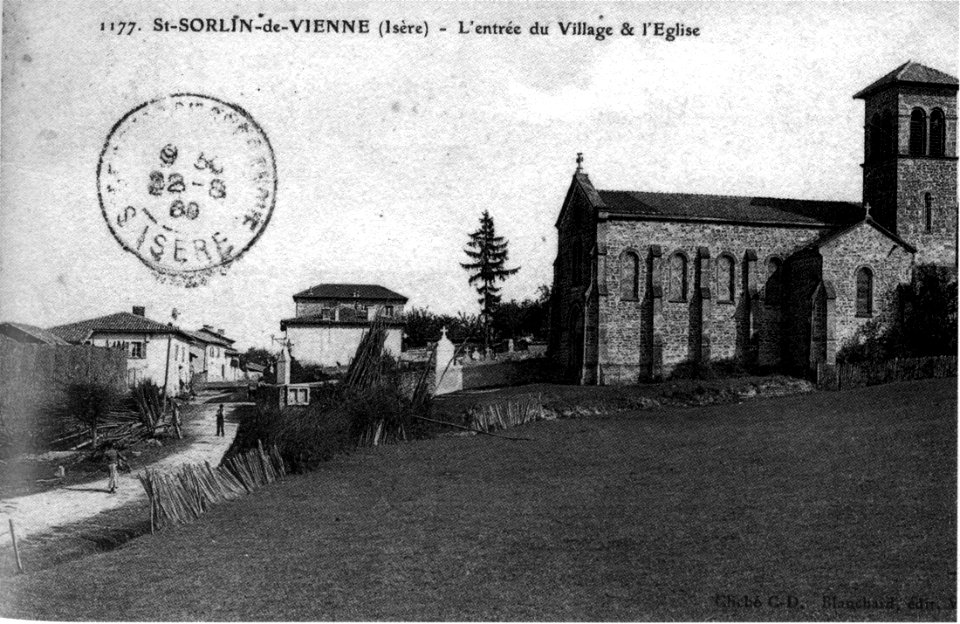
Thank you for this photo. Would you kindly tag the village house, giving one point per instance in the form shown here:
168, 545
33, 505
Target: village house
212, 356
252, 371
154, 351
646, 280
330, 320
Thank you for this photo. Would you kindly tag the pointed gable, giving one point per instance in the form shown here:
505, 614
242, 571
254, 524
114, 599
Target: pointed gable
836, 235
580, 182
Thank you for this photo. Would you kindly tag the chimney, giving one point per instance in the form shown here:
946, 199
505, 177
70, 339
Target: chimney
139, 310
220, 331
210, 329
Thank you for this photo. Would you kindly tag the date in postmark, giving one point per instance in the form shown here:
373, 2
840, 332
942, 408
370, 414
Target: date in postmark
187, 183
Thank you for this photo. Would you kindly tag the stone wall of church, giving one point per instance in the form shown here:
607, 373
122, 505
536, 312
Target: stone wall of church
576, 236
938, 177
926, 98
889, 263
705, 323
803, 275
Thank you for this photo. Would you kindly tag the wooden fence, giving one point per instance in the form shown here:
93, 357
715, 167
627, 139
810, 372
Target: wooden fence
33, 378
499, 416
847, 376
185, 494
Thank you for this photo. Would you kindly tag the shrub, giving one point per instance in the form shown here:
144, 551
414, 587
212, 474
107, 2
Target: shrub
690, 369
307, 373
920, 320
369, 407
730, 367
90, 403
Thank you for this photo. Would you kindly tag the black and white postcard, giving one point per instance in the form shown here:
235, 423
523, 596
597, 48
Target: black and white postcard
450, 311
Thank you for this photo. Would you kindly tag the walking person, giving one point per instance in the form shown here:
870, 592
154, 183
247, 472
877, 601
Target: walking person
113, 457
220, 421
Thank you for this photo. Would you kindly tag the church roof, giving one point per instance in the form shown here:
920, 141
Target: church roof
350, 291
728, 208
909, 73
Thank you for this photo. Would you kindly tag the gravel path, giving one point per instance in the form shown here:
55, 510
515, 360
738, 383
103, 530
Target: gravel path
38, 513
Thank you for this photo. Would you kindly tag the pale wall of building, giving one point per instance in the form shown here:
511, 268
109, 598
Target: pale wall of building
153, 364
333, 345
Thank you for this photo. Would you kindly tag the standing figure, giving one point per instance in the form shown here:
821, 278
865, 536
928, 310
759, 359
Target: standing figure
176, 419
220, 421
113, 457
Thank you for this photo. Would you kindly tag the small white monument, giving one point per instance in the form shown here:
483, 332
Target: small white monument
448, 376
283, 367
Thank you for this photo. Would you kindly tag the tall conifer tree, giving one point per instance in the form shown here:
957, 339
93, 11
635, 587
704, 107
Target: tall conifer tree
487, 266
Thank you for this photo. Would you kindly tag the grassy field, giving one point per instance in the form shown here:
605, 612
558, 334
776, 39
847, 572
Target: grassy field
725, 512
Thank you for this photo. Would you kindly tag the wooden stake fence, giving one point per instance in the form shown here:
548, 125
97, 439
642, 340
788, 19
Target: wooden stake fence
16, 548
504, 415
184, 495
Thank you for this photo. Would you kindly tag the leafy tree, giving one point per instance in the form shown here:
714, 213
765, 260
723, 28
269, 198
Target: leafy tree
487, 266
90, 403
421, 327
530, 317
258, 355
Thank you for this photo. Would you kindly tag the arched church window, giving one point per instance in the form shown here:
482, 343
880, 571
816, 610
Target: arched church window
629, 275
678, 277
928, 212
774, 277
726, 279
918, 132
887, 140
875, 138
864, 292
576, 259
938, 133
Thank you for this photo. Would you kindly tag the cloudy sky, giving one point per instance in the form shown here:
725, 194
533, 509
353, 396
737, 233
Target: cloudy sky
389, 149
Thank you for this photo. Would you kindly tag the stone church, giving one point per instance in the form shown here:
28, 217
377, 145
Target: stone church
644, 281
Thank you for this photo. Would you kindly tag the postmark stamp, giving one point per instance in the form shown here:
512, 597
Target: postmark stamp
187, 183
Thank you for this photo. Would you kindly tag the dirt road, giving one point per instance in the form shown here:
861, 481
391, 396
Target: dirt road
36, 514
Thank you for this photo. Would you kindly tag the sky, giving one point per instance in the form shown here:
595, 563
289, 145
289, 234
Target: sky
389, 149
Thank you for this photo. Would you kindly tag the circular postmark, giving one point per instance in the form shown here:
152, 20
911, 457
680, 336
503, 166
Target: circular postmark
187, 183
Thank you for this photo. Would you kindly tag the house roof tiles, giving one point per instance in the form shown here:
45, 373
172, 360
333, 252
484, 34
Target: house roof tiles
121, 322
207, 337
350, 291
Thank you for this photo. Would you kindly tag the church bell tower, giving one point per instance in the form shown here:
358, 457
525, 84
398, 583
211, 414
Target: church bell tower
910, 159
